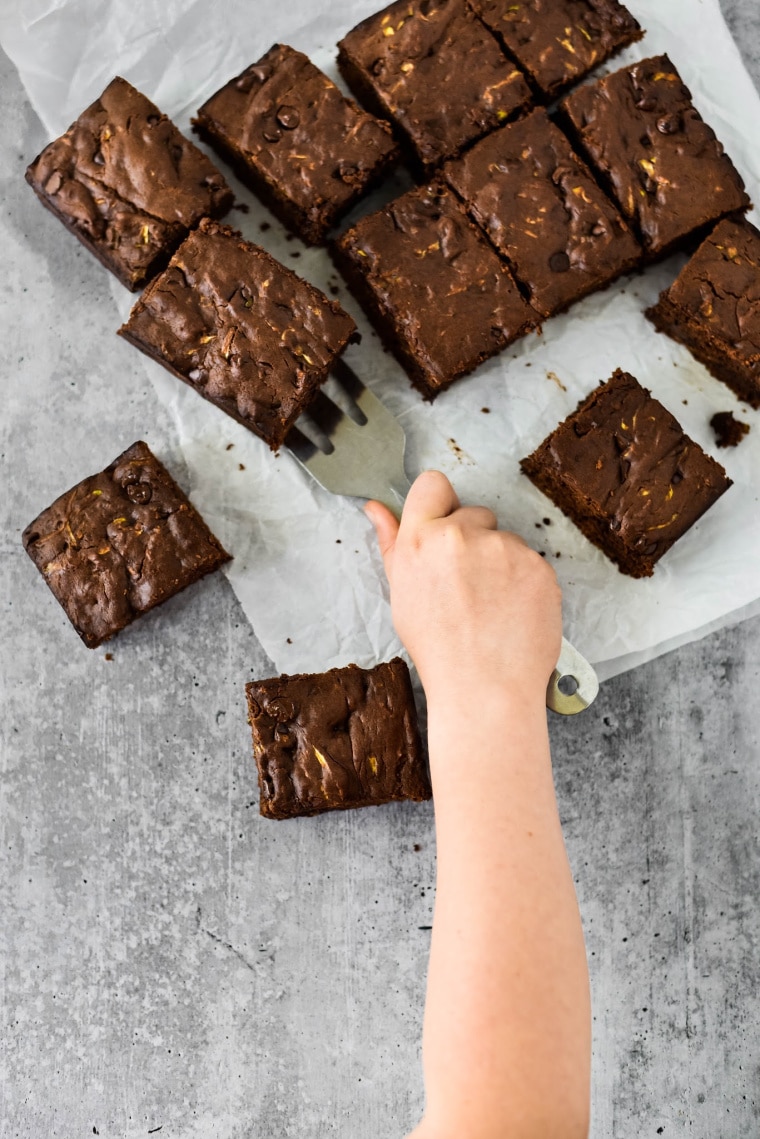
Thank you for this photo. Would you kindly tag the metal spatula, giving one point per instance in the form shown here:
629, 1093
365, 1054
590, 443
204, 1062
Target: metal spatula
352, 445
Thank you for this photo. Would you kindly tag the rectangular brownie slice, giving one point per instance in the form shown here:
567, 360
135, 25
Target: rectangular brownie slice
240, 328
544, 212
438, 294
128, 184
120, 543
434, 70
334, 740
291, 136
713, 307
650, 146
622, 469
559, 42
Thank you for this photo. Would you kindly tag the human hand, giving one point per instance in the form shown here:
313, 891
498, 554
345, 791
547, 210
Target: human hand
474, 606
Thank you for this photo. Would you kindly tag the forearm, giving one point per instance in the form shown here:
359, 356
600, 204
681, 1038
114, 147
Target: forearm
507, 1022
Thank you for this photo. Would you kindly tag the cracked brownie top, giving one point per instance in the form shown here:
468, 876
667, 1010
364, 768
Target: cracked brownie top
247, 333
338, 739
127, 183
119, 543
647, 141
544, 212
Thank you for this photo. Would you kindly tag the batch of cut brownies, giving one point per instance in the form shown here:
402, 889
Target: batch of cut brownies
519, 212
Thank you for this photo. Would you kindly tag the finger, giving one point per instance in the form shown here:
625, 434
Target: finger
477, 517
386, 528
432, 496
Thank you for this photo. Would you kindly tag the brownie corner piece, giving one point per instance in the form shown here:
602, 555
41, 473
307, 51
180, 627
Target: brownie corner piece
712, 307
296, 141
335, 740
558, 44
240, 328
438, 293
648, 144
119, 543
623, 470
436, 71
127, 183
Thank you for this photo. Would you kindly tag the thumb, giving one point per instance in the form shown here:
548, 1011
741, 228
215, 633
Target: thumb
386, 528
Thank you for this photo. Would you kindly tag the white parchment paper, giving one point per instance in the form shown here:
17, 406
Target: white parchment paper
305, 566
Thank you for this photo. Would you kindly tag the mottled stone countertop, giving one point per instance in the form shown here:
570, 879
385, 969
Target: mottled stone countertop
174, 964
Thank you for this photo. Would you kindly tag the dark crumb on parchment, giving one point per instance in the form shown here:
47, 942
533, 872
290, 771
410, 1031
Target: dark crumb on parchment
109, 656
229, 446
729, 431
265, 225
486, 410
243, 207
289, 640
335, 290
546, 521
241, 467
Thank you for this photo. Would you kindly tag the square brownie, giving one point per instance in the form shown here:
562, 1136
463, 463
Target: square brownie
434, 70
438, 294
334, 740
544, 212
713, 307
120, 543
622, 469
295, 140
558, 42
650, 146
128, 184
240, 328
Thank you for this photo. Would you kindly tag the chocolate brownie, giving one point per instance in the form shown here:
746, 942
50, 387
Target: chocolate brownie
434, 70
544, 212
729, 431
337, 739
240, 328
648, 143
119, 543
557, 42
438, 294
713, 307
293, 138
128, 184
622, 469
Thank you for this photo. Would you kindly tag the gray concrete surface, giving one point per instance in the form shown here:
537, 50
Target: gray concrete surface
171, 963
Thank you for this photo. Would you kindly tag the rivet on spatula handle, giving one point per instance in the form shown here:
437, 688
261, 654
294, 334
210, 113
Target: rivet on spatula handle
573, 685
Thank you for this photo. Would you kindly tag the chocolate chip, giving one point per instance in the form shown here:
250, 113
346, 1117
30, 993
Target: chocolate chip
651, 548
255, 74
272, 134
598, 230
677, 477
615, 524
140, 492
288, 117
670, 124
54, 182
378, 67
450, 236
559, 262
197, 375
152, 120
646, 103
98, 158
254, 707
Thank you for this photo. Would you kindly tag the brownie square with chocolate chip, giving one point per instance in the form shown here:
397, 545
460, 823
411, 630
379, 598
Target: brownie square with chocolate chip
434, 70
297, 142
544, 212
561, 41
439, 295
650, 146
120, 543
713, 307
334, 740
245, 332
128, 184
622, 469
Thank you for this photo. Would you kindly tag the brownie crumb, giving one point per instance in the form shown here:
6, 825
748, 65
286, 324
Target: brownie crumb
416, 846
229, 446
335, 290
243, 207
729, 431
486, 410
288, 640
241, 466
109, 656
264, 226
546, 521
